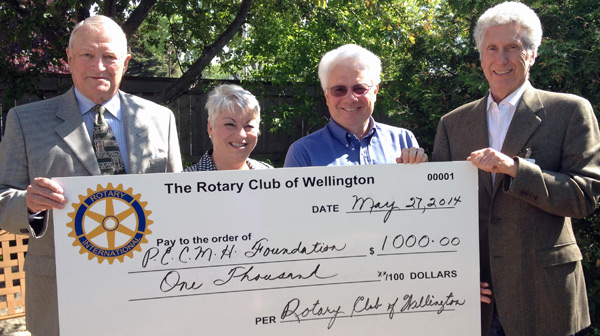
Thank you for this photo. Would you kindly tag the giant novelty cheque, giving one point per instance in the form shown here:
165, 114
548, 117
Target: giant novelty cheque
384, 249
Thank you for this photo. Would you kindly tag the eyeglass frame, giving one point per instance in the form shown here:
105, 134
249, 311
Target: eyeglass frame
352, 89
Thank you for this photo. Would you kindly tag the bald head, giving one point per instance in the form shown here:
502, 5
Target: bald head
101, 23
98, 58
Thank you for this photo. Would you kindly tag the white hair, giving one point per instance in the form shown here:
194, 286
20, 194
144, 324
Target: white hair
227, 97
511, 12
111, 27
348, 53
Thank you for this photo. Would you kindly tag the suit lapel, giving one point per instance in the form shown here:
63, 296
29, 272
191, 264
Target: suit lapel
478, 129
524, 123
136, 133
74, 133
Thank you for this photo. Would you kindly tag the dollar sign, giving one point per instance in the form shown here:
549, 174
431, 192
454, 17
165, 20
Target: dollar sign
372, 251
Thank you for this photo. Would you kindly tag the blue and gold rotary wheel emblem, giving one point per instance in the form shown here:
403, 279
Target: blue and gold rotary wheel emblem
109, 223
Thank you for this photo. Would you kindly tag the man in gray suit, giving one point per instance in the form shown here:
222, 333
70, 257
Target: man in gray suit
538, 155
53, 138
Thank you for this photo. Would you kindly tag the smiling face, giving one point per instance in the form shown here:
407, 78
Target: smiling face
504, 59
97, 63
234, 136
350, 111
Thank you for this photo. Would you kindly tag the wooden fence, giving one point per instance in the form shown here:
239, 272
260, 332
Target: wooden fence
190, 113
12, 277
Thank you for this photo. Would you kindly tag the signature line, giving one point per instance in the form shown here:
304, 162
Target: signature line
363, 315
398, 209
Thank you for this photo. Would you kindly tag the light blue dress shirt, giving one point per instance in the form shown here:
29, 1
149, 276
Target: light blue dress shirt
114, 119
333, 145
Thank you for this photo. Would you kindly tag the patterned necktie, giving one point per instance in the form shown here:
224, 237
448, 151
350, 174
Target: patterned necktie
105, 145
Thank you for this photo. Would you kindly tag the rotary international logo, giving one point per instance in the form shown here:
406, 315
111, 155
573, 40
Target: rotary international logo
109, 223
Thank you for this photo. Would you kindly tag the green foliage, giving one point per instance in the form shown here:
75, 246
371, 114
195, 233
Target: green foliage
32, 42
187, 26
438, 72
568, 59
152, 51
285, 48
146, 64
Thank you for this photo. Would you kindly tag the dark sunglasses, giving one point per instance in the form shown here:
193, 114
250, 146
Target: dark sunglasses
342, 90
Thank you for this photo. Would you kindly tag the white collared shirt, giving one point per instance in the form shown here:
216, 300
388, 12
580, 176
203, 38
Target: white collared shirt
499, 117
114, 118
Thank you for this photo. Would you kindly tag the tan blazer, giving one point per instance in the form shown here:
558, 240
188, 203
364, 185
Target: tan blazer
49, 139
528, 251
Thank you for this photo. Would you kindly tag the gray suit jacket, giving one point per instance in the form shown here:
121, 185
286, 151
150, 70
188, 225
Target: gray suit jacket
49, 139
528, 251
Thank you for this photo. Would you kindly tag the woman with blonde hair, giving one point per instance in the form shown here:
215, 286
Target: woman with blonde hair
233, 127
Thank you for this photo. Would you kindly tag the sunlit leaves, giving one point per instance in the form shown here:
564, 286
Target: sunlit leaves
189, 26
286, 47
33, 39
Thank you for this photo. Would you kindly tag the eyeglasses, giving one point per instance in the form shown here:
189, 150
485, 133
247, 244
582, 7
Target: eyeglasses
342, 90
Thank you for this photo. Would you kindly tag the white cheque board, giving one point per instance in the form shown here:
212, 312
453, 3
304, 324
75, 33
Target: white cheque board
384, 249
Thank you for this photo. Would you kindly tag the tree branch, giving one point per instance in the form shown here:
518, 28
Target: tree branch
138, 16
109, 8
194, 73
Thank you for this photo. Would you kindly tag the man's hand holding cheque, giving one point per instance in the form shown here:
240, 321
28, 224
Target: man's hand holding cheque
44, 194
493, 161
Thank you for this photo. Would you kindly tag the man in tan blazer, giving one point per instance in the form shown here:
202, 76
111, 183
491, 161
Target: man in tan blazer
53, 138
538, 155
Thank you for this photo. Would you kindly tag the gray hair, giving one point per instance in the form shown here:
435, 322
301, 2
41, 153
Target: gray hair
511, 12
226, 97
346, 53
95, 22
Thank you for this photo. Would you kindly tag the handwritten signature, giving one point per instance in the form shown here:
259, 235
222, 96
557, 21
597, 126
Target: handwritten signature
295, 310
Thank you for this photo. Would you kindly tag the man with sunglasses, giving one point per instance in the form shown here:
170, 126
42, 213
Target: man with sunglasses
350, 77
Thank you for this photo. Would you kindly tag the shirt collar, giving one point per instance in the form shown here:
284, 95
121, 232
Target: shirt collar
206, 161
113, 105
344, 136
512, 99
